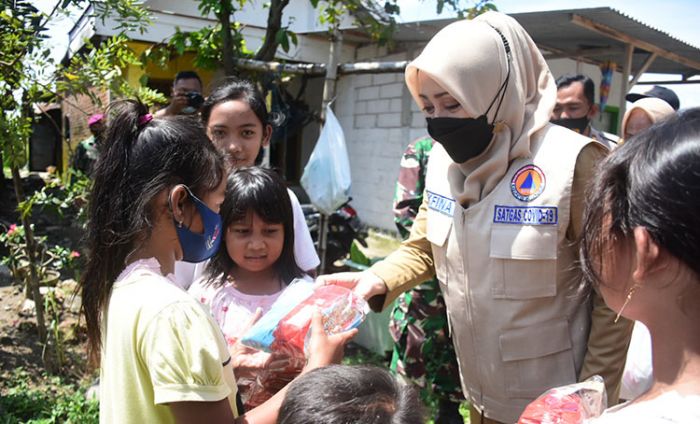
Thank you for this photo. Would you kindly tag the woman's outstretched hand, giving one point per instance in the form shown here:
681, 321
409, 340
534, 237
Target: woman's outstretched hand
364, 284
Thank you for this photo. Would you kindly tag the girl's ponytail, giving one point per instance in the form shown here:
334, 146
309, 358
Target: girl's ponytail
140, 158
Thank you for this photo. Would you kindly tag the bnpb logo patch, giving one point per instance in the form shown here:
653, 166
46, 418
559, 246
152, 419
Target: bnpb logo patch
527, 183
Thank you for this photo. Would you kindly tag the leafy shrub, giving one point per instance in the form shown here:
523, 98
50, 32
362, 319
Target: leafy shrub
48, 402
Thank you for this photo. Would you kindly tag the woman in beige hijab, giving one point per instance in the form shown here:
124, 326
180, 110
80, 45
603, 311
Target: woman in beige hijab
499, 223
643, 114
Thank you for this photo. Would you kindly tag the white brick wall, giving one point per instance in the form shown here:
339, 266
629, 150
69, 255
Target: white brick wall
376, 113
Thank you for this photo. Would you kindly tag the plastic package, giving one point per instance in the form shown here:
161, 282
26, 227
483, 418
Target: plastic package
285, 329
572, 404
260, 374
261, 334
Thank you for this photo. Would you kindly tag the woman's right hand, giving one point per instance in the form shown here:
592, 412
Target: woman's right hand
364, 284
325, 349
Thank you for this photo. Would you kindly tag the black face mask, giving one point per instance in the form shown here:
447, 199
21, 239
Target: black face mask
462, 138
578, 125
466, 138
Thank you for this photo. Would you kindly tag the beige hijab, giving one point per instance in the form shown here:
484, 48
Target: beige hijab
656, 109
468, 59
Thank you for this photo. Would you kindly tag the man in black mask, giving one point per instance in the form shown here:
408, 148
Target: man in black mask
576, 108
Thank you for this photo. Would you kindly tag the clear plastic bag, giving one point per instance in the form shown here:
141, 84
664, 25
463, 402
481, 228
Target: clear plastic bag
572, 404
326, 176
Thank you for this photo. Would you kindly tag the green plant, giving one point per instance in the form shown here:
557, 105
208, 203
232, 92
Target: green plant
54, 342
49, 260
62, 196
49, 401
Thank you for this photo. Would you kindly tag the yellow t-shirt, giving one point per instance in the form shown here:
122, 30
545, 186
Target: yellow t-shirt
159, 346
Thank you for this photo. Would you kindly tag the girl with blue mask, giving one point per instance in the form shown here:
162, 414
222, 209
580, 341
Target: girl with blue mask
157, 190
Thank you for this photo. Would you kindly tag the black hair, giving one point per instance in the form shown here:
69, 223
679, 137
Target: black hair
187, 75
238, 89
588, 85
350, 394
650, 181
262, 191
142, 157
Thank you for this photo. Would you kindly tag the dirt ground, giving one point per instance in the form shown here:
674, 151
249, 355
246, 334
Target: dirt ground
19, 340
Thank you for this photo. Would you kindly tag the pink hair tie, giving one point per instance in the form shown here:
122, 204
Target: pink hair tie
144, 119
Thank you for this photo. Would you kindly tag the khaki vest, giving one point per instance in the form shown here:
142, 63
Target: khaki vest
517, 312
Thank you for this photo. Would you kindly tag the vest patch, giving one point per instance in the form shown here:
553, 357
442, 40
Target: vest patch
528, 183
440, 203
525, 215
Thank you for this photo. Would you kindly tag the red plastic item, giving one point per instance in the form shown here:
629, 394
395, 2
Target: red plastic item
572, 404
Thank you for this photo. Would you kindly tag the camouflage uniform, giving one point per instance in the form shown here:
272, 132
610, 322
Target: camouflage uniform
86, 155
423, 349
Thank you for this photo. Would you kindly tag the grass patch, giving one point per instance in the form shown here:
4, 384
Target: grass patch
47, 401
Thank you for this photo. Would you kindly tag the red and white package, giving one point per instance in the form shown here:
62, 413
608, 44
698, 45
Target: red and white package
572, 404
341, 310
285, 328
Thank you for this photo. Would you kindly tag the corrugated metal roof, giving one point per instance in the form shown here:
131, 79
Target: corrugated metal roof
555, 31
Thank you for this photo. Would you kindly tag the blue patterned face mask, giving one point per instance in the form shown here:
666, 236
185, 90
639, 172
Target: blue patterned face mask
200, 247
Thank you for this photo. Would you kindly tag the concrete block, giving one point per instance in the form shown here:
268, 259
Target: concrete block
381, 79
396, 105
378, 106
368, 93
365, 121
360, 107
391, 90
363, 80
389, 120
418, 120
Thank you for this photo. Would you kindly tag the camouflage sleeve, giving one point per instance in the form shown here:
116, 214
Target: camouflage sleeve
409, 187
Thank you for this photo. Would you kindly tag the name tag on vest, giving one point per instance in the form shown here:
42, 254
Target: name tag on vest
525, 215
440, 203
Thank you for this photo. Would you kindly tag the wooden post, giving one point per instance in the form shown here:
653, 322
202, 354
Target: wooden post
626, 71
647, 63
329, 85
627, 39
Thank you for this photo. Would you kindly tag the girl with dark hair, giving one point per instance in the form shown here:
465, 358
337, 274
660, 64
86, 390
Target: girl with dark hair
155, 200
351, 395
237, 121
640, 246
249, 272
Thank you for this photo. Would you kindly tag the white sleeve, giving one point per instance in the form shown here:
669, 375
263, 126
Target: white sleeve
304, 250
184, 273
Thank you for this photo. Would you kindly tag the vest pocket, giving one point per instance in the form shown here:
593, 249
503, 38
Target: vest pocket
523, 261
537, 358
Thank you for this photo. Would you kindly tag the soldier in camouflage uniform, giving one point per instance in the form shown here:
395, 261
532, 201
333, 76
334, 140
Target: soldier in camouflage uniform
88, 150
423, 349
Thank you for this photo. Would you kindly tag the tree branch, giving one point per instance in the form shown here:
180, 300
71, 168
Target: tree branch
274, 24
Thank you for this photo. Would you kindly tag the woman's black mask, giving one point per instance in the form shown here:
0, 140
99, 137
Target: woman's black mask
462, 138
